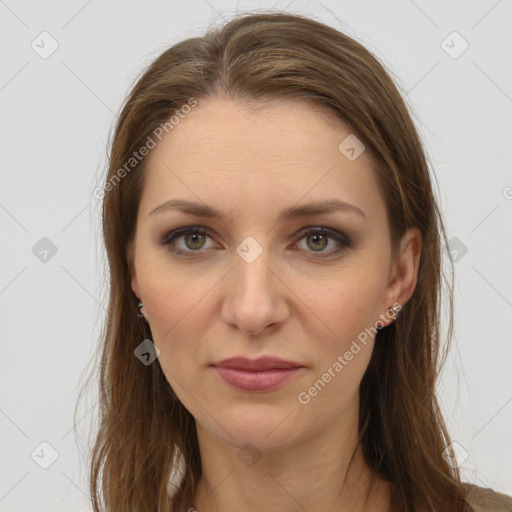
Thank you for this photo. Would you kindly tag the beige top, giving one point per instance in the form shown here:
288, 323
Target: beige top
486, 500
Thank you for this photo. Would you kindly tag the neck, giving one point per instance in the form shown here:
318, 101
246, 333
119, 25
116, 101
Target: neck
326, 473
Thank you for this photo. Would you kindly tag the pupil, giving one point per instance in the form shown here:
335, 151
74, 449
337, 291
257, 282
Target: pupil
195, 237
316, 237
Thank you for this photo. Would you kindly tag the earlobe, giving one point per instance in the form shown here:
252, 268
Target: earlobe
392, 313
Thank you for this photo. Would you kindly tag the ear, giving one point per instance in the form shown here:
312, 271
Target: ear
133, 275
403, 274
135, 284
131, 269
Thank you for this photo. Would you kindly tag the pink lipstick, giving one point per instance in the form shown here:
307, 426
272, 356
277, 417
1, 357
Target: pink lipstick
262, 374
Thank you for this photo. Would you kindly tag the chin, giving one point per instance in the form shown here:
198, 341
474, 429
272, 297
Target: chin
267, 427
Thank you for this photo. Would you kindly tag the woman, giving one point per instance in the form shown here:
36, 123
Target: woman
269, 210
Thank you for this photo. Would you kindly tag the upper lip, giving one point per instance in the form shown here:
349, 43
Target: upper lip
262, 363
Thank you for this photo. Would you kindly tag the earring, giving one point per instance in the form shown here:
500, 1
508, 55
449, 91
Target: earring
140, 314
394, 310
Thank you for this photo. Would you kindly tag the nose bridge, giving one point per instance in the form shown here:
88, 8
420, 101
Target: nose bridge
253, 268
252, 274
254, 299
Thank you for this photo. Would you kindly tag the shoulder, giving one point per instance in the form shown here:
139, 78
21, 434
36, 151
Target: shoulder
483, 499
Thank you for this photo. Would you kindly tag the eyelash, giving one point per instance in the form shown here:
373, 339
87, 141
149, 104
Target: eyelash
169, 239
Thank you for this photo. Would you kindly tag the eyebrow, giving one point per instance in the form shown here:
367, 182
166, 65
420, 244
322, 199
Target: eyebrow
295, 212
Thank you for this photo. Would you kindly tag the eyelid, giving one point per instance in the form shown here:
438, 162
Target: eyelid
168, 240
339, 237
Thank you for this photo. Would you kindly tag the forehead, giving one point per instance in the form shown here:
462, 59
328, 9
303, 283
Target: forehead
241, 156
272, 128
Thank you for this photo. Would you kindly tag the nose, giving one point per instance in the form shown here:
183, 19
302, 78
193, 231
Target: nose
256, 296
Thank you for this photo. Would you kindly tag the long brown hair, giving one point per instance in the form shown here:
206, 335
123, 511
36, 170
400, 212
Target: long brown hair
144, 432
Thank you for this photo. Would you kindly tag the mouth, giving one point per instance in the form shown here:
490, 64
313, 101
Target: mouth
257, 375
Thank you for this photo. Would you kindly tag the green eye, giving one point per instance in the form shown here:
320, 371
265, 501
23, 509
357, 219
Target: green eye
194, 239
321, 237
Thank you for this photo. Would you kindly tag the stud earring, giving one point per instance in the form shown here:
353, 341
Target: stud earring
393, 312
395, 309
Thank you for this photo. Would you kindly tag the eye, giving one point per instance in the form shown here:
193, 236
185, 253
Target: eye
193, 238
320, 237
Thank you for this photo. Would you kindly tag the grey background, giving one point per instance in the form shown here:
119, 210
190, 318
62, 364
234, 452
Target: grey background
56, 114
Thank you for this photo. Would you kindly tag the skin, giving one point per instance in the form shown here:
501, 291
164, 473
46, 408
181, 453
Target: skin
289, 302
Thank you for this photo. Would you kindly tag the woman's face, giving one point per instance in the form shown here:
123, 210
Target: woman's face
259, 282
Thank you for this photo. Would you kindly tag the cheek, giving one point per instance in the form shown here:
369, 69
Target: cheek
172, 294
343, 343
170, 301
347, 309
178, 326
342, 346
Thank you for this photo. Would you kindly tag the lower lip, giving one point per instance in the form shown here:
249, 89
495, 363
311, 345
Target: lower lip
261, 380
